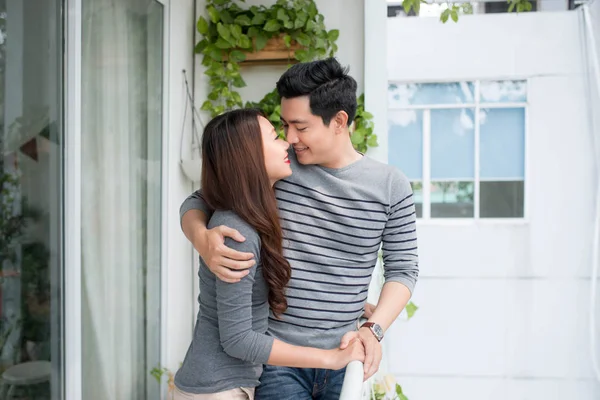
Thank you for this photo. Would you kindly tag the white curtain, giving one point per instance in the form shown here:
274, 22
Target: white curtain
121, 142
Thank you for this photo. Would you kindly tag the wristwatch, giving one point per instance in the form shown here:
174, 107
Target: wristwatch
375, 329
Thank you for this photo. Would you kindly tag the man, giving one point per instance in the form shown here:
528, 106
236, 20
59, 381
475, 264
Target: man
336, 209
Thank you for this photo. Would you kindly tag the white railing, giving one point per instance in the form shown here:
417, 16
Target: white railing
352, 388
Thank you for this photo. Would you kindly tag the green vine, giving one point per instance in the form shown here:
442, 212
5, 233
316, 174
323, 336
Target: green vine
232, 32
453, 9
362, 135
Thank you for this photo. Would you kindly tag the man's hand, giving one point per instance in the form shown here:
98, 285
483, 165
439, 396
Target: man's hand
372, 349
227, 264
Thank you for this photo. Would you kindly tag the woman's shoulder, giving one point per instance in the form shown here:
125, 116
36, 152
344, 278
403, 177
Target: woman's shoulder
232, 220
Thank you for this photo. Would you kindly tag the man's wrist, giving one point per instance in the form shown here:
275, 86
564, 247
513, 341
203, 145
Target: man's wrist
374, 329
200, 241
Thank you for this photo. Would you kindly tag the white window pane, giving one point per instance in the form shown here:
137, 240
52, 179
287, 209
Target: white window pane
452, 199
417, 188
503, 91
502, 143
405, 142
405, 94
503, 199
452, 144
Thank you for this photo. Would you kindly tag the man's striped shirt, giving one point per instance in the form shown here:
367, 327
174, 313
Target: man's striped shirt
334, 222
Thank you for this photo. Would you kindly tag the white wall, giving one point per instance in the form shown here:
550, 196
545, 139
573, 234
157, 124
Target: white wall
504, 307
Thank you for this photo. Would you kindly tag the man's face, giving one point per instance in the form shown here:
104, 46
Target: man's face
313, 141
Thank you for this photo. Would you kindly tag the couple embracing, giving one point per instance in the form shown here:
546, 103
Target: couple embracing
288, 233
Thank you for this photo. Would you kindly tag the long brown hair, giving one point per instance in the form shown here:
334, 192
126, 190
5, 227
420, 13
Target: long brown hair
234, 177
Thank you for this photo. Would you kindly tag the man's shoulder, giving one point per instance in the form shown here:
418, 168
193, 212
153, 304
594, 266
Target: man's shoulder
390, 173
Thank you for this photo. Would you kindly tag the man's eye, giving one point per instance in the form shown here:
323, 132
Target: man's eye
302, 129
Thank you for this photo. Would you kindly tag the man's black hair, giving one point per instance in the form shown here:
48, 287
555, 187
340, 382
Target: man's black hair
326, 83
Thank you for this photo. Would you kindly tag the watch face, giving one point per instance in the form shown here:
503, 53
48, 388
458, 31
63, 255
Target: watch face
378, 331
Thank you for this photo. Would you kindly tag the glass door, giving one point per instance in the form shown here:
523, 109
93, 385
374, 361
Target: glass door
31, 181
122, 58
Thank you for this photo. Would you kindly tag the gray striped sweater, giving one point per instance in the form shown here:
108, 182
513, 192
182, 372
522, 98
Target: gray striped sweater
334, 222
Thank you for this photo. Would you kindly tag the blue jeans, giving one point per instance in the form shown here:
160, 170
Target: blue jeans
285, 383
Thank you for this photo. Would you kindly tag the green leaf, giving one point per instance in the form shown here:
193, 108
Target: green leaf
202, 26
454, 15
213, 13
301, 55
252, 31
411, 308
407, 4
358, 136
372, 141
214, 52
237, 56
512, 6
272, 26
301, 18
200, 46
237, 98
333, 35
224, 31
303, 39
289, 24
401, 395
260, 42
366, 115
220, 2
214, 95
275, 117
287, 39
259, 19
207, 105
528, 6
243, 20
445, 15
226, 17
236, 32
239, 81
282, 15
245, 42
223, 44
310, 26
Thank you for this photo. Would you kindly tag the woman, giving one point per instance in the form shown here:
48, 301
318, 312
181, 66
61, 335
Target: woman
242, 157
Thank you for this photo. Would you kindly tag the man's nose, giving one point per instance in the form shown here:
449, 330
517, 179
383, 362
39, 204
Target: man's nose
291, 137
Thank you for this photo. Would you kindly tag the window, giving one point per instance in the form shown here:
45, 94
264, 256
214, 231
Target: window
462, 145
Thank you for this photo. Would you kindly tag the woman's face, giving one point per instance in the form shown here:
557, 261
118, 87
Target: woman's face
275, 151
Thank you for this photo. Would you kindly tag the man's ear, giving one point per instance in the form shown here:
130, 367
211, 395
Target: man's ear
341, 121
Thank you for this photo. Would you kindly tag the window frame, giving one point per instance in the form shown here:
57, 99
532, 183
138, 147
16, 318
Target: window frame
477, 105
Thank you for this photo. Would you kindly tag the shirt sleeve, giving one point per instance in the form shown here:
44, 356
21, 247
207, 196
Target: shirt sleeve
195, 201
400, 256
234, 310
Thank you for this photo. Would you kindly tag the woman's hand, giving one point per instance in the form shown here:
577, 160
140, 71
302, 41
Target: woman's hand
354, 352
369, 310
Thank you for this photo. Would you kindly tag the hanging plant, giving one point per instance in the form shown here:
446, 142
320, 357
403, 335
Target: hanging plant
232, 35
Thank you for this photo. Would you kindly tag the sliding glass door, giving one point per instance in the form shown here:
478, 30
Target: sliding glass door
121, 185
31, 181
